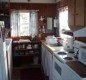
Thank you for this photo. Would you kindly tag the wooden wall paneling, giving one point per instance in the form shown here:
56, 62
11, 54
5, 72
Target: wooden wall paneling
47, 10
44, 9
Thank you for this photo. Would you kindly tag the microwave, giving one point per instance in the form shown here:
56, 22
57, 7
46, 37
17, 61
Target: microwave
82, 55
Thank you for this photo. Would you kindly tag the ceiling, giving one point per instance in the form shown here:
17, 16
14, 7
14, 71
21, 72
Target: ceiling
34, 1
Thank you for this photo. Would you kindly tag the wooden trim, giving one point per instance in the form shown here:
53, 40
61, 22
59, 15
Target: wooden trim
82, 39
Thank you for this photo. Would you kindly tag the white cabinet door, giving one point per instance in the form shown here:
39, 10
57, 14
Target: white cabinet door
50, 64
44, 60
47, 62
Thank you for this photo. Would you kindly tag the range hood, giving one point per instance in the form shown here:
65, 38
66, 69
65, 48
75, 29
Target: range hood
75, 28
80, 32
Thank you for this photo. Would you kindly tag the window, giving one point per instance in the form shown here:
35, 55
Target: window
23, 23
63, 21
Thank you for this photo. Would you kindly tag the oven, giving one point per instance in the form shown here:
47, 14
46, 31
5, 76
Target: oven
59, 62
57, 68
82, 55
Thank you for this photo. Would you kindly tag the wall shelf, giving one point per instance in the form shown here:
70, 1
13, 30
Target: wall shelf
26, 52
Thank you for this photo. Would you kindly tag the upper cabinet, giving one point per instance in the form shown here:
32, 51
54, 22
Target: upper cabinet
76, 16
5, 12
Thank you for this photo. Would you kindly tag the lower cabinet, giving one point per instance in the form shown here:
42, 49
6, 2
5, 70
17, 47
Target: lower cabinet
55, 68
47, 61
43, 59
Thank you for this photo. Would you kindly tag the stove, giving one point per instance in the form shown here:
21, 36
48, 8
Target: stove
62, 53
66, 56
59, 59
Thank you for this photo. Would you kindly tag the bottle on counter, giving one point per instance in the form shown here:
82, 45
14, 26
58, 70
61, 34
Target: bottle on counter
43, 29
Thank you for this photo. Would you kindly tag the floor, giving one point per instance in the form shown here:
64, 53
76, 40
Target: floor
28, 73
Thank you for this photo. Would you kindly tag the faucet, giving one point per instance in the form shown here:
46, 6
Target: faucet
76, 54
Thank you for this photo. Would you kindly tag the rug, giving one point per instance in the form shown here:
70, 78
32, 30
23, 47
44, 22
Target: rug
32, 74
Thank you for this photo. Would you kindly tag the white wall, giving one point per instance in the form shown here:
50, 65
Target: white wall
34, 1
80, 33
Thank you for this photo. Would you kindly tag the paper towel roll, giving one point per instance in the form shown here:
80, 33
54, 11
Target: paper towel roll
55, 22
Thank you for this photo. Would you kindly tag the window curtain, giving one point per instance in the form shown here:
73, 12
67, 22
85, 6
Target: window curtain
63, 20
19, 25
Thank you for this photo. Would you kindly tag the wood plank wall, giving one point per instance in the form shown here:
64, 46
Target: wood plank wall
45, 9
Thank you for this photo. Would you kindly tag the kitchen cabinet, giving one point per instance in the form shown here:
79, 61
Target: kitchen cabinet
76, 15
26, 53
47, 61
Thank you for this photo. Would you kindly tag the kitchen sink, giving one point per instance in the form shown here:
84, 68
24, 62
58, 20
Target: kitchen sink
55, 45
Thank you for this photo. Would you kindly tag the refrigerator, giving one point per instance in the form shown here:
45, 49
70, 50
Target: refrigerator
3, 56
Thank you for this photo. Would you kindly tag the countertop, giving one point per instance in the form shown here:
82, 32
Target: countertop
55, 49
75, 65
78, 67
52, 48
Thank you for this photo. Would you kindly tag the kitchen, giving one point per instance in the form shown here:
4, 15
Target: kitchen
48, 24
